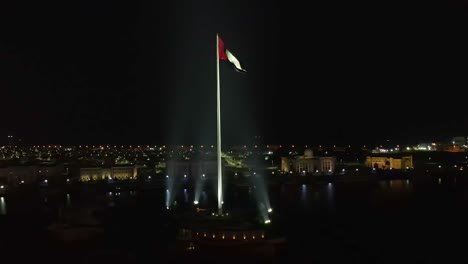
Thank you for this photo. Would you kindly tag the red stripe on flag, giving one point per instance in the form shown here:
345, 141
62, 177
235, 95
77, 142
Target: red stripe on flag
221, 50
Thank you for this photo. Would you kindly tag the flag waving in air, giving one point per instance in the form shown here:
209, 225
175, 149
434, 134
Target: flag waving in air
224, 54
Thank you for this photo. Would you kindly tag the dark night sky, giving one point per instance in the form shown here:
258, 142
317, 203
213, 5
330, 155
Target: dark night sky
144, 71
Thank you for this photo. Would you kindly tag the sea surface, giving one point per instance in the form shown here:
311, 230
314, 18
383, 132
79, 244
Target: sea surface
387, 221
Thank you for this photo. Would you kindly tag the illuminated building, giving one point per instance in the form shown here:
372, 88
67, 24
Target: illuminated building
308, 163
104, 173
389, 162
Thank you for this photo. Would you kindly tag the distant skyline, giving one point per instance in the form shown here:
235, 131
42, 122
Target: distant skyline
20, 141
103, 71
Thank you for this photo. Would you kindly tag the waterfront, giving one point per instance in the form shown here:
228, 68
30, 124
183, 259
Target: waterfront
391, 221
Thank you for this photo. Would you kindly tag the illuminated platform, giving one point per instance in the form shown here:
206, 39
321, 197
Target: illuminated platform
205, 236
220, 229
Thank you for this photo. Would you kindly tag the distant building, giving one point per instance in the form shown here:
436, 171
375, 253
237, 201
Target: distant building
26, 174
459, 141
308, 163
389, 162
193, 168
13, 140
104, 173
425, 147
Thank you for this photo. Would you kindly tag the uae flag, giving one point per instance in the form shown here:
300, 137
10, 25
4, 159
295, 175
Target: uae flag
224, 54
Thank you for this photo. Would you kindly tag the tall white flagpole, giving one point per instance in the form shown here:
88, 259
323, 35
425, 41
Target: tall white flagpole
218, 134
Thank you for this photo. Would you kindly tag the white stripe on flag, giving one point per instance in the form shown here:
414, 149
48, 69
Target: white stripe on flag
234, 61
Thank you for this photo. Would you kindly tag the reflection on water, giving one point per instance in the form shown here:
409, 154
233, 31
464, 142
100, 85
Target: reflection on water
361, 219
3, 209
110, 197
330, 196
395, 185
342, 195
301, 198
68, 200
304, 195
186, 196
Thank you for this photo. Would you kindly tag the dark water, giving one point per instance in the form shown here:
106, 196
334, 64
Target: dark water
387, 222
397, 221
